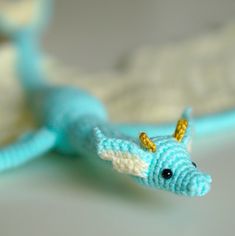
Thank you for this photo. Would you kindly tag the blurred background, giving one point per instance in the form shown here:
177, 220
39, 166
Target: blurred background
186, 50
95, 35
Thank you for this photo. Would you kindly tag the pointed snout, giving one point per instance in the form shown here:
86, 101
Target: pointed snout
199, 185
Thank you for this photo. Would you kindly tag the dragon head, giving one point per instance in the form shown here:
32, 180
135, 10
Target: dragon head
162, 162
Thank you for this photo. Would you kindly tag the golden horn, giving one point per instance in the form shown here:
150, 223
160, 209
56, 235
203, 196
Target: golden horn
147, 142
180, 129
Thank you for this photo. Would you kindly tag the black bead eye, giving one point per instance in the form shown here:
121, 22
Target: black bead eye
194, 164
167, 173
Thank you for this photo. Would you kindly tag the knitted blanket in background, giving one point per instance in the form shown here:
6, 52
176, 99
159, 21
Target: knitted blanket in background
155, 85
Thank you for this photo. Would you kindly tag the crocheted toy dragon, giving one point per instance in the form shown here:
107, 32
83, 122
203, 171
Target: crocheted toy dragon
72, 121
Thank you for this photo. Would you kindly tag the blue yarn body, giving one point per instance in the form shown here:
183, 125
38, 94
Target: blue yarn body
72, 121
60, 109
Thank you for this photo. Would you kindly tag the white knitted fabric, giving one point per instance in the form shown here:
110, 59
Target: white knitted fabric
19, 12
155, 86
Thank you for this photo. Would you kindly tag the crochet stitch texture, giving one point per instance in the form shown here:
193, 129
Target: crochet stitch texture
72, 121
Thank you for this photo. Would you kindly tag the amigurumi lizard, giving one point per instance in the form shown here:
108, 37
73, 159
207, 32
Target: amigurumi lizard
71, 121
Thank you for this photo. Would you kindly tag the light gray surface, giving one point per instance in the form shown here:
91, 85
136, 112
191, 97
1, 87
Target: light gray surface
58, 196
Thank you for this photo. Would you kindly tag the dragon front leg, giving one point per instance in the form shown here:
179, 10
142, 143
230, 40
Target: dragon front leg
27, 148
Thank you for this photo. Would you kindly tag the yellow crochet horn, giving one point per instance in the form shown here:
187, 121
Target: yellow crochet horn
147, 142
181, 129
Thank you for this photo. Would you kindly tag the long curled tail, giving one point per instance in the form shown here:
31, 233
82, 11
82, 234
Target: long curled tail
26, 36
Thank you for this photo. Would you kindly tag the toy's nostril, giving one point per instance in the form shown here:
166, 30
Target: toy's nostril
199, 185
